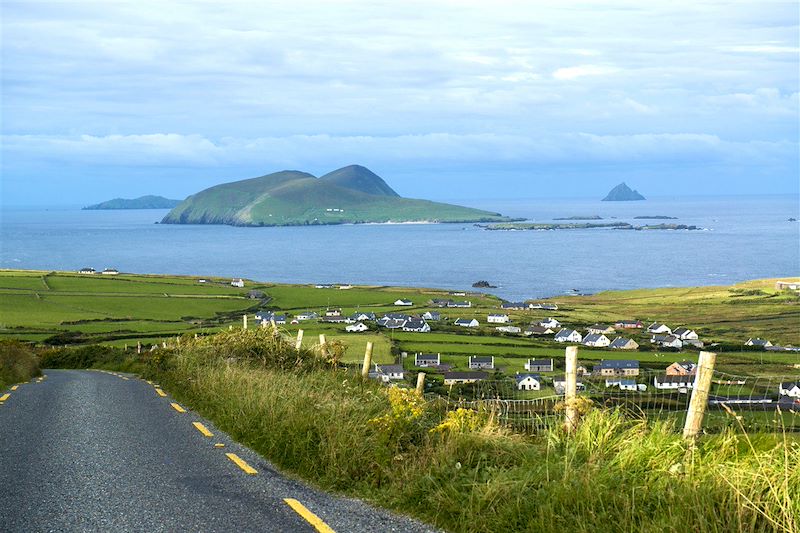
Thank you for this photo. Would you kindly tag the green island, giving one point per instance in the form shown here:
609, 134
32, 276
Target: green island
349, 195
309, 412
143, 202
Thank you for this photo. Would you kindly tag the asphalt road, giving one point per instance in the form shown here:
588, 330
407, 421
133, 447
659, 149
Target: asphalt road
95, 451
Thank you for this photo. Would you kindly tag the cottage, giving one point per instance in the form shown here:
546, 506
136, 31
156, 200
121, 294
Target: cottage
481, 362
307, 315
427, 359
685, 333
538, 330
323, 286
628, 324
359, 316
600, 329
783, 285
462, 305
528, 381
568, 335
392, 372
454, 378
679, 383
498, 319
791, 389
684, 368
550, 323
544, 306
596, 340
114, 272
758, 342
416, 325
667, 341
335, 320
437, 302
513, 306
358, 327
87, 270
467, 322
333, 312
657, 327
432, 315
392, 323
621, 367
539, 365
346, 287
514, 330
621, 343
560, 385
622, 383
403, 302
265, 317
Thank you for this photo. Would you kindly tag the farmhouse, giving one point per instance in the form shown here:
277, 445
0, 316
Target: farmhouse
498, 319
453, 378
416, 325
335, 320
307, 315
513, 306
358, 327
538, 330
623, 383
560, 385
629, 324
333, 312
621, 367
539, 365
432, 315
509, 329
437, 302
789, 389
673, 382
392, 323
544, 306
403, 302
568, 335
621, 343
667, 341
685, 333
87, 270
528, 381
600, 329
684, 368
114, 272
791, 285
359, 316
467, 322
597, 340
461, 305
758, 342
393, 372
550, 323
657, 327
481, 362
427, 359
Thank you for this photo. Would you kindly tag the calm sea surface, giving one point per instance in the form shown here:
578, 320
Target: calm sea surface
746, 238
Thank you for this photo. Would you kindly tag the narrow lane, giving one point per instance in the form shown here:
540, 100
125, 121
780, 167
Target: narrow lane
93, 451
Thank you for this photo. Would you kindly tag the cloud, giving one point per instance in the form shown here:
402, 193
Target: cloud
582, 71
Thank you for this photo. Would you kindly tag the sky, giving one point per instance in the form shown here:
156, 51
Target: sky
443, 99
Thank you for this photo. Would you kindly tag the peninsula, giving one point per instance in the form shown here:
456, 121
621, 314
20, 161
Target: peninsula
350, 195
143, 202
623, 193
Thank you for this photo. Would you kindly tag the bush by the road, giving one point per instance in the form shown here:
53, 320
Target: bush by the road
18, 363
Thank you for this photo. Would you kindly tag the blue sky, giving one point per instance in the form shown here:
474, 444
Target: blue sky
443, 99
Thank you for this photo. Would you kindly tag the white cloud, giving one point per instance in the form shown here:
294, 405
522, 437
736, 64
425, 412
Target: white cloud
582, 71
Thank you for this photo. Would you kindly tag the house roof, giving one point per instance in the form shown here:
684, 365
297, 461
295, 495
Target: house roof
593, 337
674, 379
619, 341
540, 362
537, 329
390, 369
481, 358
414, 323
522, 377
427, 356
757, 341
464, 320
565, 332
790, 384
465, 375
619, 363
680, 331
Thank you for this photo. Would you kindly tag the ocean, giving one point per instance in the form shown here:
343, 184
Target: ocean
743, 238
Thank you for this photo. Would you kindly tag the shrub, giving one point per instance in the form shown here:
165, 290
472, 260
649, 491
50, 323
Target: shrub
18, 363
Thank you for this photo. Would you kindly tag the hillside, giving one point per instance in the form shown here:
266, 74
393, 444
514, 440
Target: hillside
623, 193
143, 202
352, 194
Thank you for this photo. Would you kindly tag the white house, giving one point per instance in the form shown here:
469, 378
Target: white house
623, 383
600, 328
509, 329
453, 378
568, 335
333, 312
358, 327
667, 341
467, 322
237, 282
427, 359
597, 340
481, 362
432, 315
621, 343
392, 372
560, 385
416, 325
359, 316
550, 323
679, 383
402, 302
308, 315
758, 342
539, 365
790, 389
657, 327
538, 330
114, 272
463, 304
528, 382
498, 319
87, 270
685, 334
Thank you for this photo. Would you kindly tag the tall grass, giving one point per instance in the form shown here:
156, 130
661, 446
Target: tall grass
18, 363
460, 470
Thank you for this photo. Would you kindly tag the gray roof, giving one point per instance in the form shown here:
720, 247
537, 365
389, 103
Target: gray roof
592, 337
390, 369
427, 356
520, 377
619, 342
565, 332
540, 362
618, 363
680, 330
465, 375
481, 358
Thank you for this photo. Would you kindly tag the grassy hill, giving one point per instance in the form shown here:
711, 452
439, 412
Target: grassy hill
143, 202
351, 194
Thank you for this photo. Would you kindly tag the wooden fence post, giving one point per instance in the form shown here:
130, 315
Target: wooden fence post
367, 361
323, 348
571, 389
299, 343
244, 321
274, 327
421, 383
699, 400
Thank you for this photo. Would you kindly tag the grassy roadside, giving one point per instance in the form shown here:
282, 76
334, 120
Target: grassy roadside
18, 363
461, 471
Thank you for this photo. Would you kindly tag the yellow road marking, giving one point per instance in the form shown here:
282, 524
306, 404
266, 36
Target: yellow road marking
219, 445
178, 407
202, 429
4, 397
310, 517
241, 464
160, 392
15, 387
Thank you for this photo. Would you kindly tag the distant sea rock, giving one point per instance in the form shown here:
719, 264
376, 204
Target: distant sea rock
143, 202
483, 284
623, 193
581, 217
655, 217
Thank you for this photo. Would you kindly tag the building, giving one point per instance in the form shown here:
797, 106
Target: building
544, 306
684, 368
333, 312
467, 322
621, 343
403, 302
427, 359
87, 270
438, 302
596, 340
685, 333
600, 329
455, 378
657, 327
667, 341
568, 335
621, 367
560, 385
416, 325
498, 319
758, 342
513, 306
392, 372
485, 362
460, 305
528, 381
358, 327
791, 389
539, 365
679, 383
514, 330
432, 315
550, 323
783, 285
538, 330
626, 384
628, 324
359, 316
114, 272
307, 315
